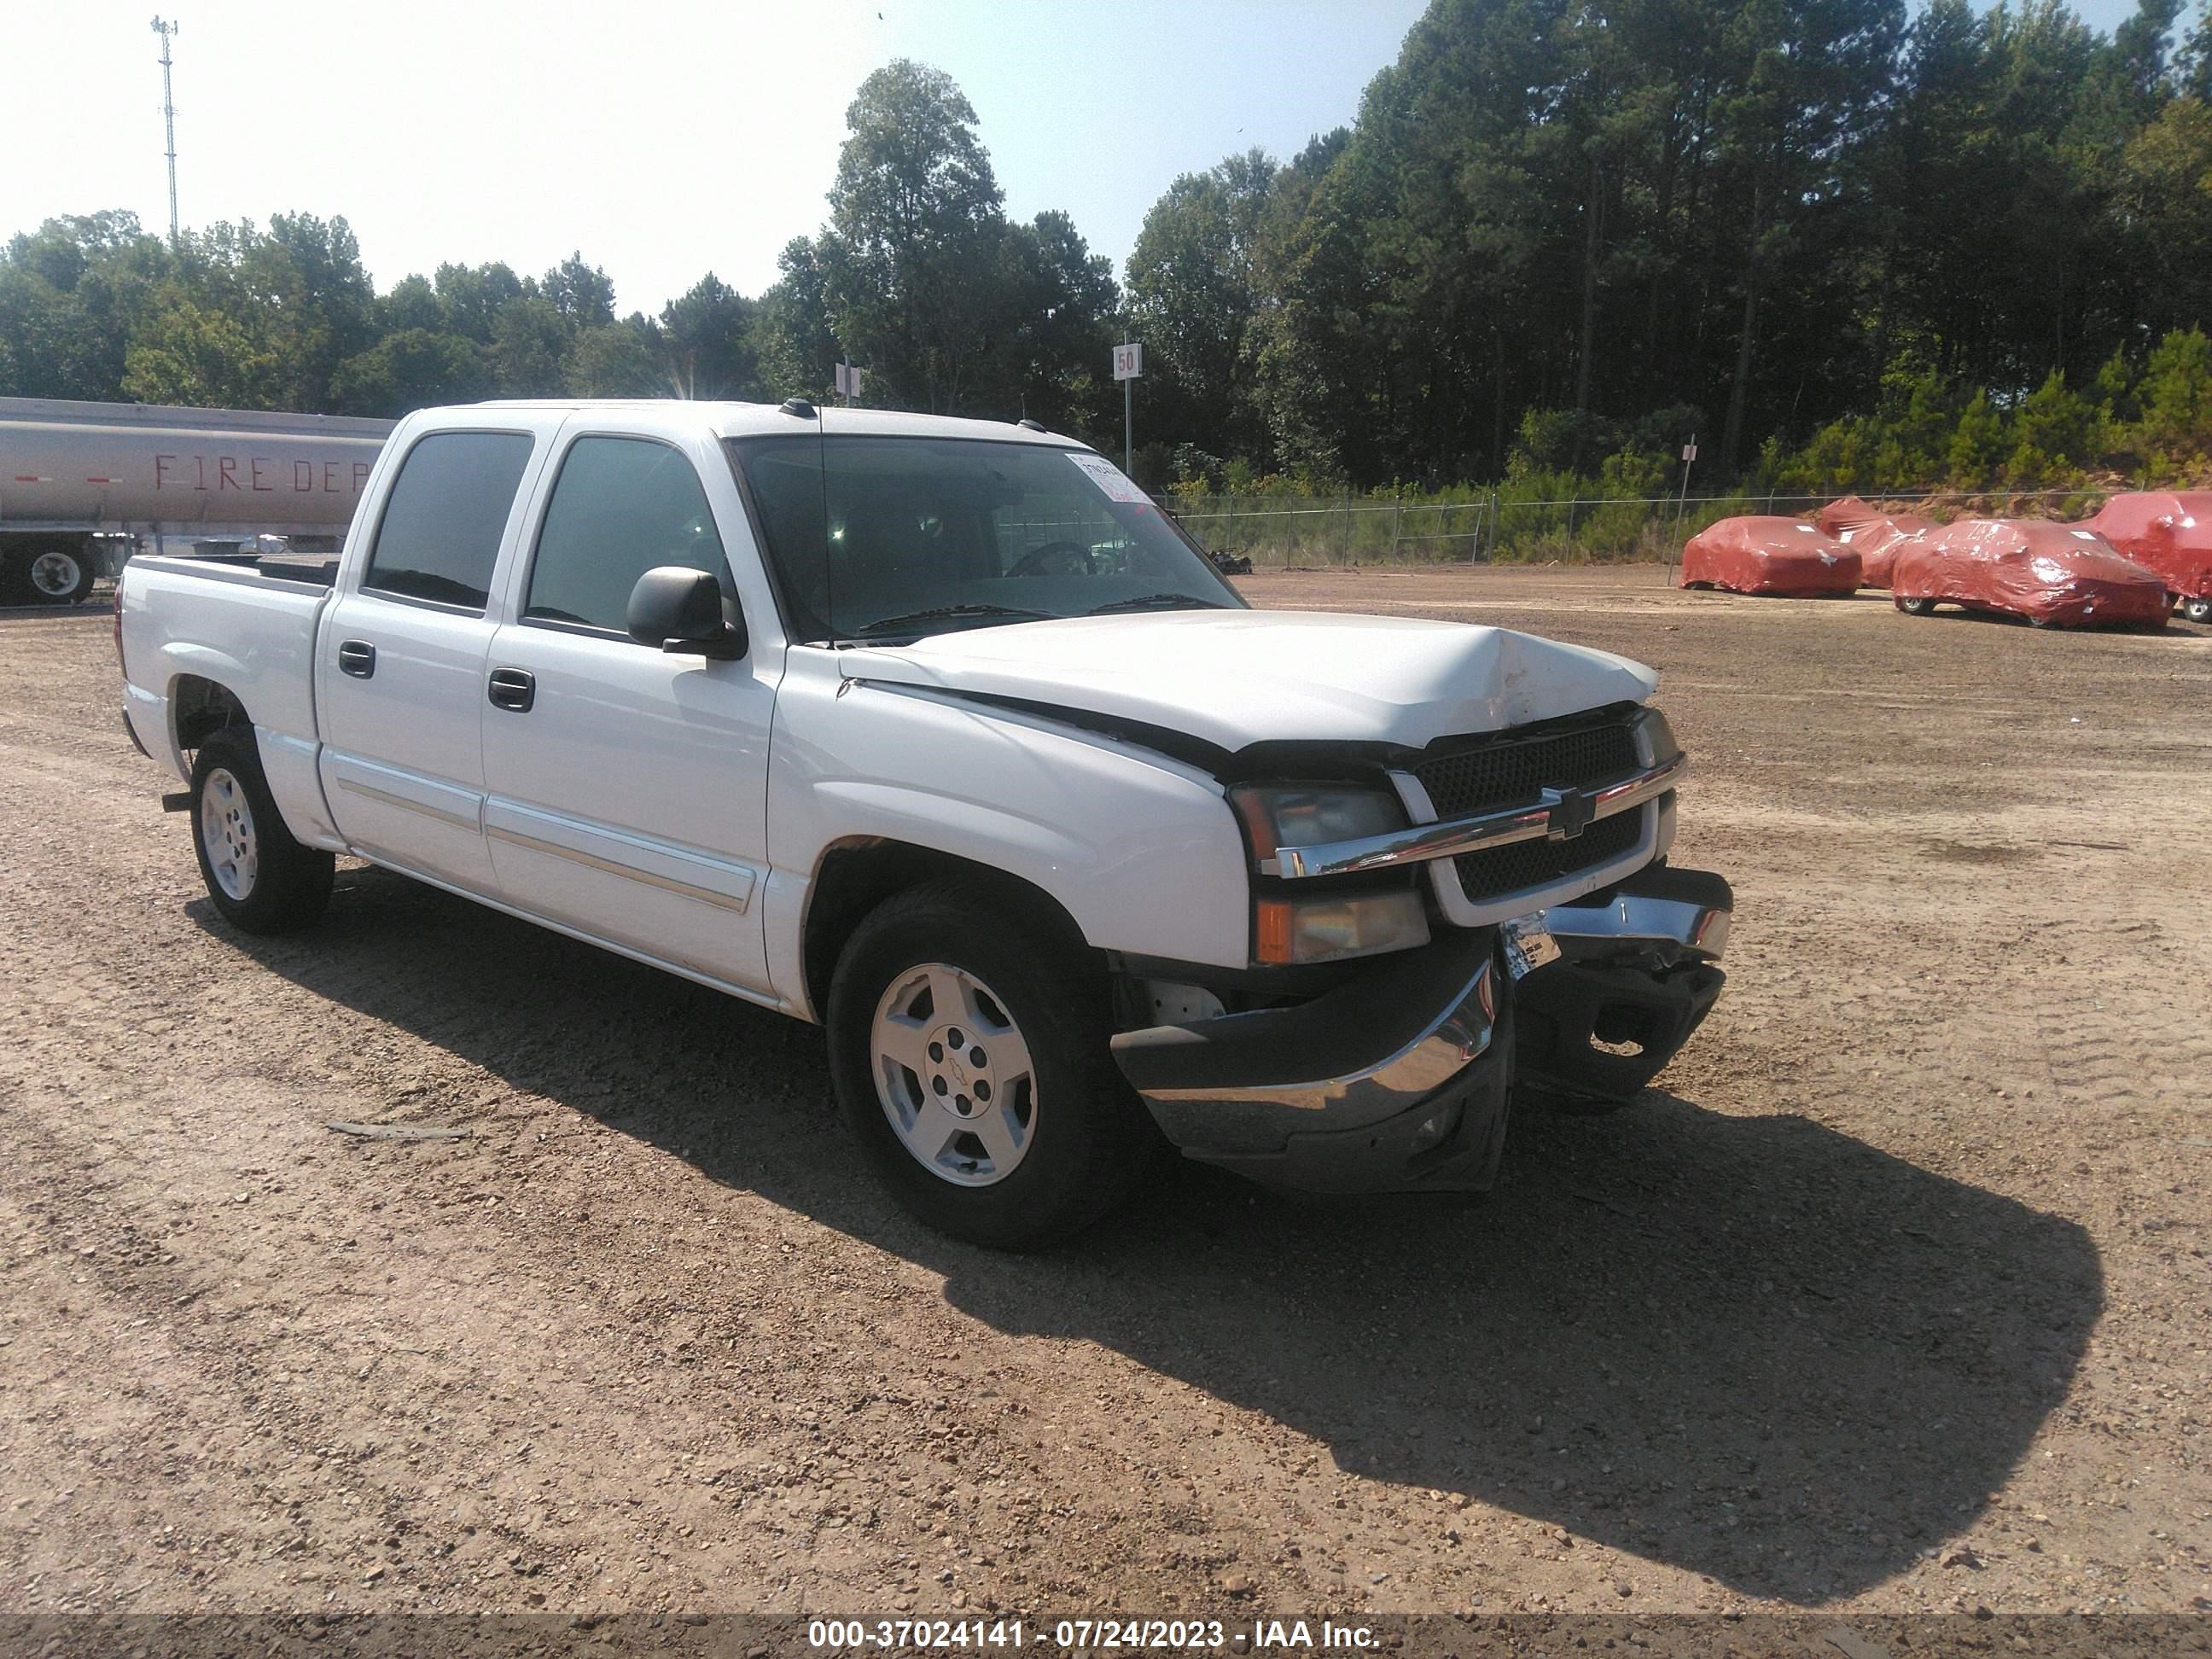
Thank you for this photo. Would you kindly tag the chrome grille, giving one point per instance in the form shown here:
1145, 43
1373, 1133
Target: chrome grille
1520, 864
1511, 772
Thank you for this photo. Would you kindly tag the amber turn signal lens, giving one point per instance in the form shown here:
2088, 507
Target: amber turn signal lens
1259, 821
1324, 929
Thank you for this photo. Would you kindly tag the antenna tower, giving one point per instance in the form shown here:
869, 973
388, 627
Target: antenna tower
165, 29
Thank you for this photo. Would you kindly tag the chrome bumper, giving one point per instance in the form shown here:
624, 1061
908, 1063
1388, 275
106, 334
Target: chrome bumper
1637, 971
1399, 1080
1394, 1081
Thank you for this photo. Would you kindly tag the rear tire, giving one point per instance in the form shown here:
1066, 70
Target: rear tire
950, 985
2197, 610
261, 879
1915, 607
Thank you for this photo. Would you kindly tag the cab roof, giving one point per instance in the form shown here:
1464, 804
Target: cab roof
739, 420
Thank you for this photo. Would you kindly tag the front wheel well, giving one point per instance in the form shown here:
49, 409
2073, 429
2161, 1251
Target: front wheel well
854, 876
200, 708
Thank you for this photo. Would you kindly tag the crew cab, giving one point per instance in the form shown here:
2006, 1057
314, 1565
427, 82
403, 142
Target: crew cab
941, 733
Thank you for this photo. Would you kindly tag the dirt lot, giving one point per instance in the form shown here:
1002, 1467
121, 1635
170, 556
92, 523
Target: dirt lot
1893, 1298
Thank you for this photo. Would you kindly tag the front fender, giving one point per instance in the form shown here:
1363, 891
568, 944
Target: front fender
1140, 849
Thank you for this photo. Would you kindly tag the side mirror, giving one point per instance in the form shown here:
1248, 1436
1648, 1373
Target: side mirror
678, 609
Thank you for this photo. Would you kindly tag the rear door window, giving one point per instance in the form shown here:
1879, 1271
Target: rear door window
621, 506
439, 537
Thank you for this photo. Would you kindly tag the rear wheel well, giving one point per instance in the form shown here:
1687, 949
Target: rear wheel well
200, 708
854, 876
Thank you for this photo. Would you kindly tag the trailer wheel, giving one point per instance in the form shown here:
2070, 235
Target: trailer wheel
260, 879
54, 573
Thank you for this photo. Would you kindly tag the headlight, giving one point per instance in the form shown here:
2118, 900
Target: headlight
1325, 929
1654, 738
1276, 817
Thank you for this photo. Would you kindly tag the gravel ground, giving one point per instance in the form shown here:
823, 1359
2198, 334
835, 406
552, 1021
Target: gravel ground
1891, 1298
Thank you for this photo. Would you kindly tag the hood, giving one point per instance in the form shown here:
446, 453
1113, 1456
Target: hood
1237, 677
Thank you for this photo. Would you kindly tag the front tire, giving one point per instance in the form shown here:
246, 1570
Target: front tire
261, 879
968, 1049
1915, 607
2197, 610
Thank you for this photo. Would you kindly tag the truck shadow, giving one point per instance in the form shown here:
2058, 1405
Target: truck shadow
1750, 1347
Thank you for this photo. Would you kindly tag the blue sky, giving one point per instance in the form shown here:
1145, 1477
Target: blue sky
664, 140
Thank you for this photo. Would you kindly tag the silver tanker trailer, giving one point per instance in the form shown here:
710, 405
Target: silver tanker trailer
85, 486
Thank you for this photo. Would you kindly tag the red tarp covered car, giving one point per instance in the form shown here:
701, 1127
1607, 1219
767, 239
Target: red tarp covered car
2048, 572
2167, 533
1768, 556
1874, 535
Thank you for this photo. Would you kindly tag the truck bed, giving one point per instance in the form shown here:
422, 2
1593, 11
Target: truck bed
265, 621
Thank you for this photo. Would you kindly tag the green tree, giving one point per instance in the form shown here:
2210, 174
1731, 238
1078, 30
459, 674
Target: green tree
710, 336
627, 359
2163, 202
529, 341
1803, 84
188, 352
474, 295
2059, 424
315, 304
918, 263
1977, 445
794, 346
1058, 350
70, 295
579, 292
1193, 294
412, 368
2176, 391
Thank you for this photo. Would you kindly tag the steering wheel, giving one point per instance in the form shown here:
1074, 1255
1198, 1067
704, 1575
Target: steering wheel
1065, 553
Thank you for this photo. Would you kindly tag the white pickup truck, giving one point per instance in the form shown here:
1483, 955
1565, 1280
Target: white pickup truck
939, 733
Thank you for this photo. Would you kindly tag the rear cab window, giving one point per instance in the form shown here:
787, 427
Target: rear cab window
438, 536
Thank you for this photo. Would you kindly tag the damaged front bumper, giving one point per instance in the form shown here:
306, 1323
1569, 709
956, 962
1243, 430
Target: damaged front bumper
1638, 970
1401, 1079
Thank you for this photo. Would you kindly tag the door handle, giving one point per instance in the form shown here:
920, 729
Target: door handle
514, 689
357, 658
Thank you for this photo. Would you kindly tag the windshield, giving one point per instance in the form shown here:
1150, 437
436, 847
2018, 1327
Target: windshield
892, 538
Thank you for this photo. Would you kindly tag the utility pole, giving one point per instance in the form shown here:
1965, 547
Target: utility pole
1682, 507
169, 120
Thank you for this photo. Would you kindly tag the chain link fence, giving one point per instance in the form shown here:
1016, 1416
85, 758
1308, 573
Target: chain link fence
1495, 527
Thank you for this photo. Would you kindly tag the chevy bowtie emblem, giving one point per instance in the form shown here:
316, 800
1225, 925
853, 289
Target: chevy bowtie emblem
1570, 814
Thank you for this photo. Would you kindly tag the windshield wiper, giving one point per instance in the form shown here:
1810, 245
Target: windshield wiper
939, 613
1155, 602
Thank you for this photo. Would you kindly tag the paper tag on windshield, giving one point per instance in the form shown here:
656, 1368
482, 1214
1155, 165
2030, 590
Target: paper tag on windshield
1110, 478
